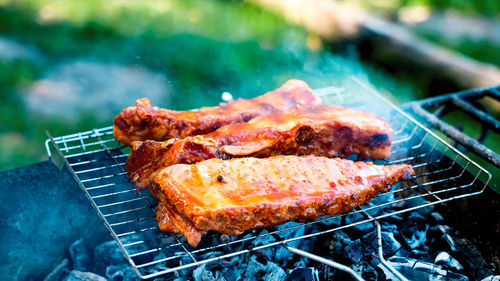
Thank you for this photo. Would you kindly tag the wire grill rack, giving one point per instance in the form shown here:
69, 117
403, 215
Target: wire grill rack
97, 161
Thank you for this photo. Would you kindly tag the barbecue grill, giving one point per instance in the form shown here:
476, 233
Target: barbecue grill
96, 161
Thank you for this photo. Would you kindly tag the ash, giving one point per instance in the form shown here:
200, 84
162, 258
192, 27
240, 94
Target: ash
417, 244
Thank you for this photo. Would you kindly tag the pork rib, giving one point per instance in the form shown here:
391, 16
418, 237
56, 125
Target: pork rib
324, 130
143, 122
232, 196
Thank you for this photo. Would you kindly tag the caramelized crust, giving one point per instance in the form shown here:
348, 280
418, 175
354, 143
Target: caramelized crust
324, 130
143, 122
232, 196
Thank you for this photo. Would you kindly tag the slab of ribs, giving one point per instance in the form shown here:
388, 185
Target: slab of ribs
255, 163
232, 196
324, 130
144, 122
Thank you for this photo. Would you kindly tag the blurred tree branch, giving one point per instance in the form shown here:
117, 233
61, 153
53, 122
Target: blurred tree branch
389, 42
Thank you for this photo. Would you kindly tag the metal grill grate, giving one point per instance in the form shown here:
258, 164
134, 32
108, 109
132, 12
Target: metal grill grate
468, 102
96, 161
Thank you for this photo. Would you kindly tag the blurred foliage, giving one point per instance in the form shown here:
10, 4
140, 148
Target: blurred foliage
479, 49
482, 50
490, 8
203, 48
480, 7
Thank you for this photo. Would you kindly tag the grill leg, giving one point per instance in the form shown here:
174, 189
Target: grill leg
380, 252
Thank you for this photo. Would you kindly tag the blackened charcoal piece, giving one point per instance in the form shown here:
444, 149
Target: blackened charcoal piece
418, 239
356, 251
338, 242
492, 278
260, 269
437, 217
275, 273
303, 274
368, 270
448, 262
471, 258
107, 253
56, 273
76, 275
121, 272
440, 239
80, 256
201, 273
415, 201
389, 244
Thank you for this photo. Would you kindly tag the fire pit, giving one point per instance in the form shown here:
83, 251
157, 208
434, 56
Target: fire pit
399, 235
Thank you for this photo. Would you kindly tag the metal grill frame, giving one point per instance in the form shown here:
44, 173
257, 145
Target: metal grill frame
464, 101
98, 147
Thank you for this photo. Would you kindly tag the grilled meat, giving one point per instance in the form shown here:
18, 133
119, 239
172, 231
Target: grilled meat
232, 196
324, 130
143, 122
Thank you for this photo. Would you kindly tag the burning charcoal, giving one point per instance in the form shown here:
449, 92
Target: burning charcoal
203, 274
256, 267
414, 232
107, 253
55, 274
280, 254
162, 255
303, 274
413, 201
441, 239
419, 254
364, 227
437, 217
492, 278
338, 242
277, 254
351, 218
294, 232
301, 262
275, 273
185, 259
388, 226
448, 262
121, 272
417, 239
80, 256
260, 268
76, 275
415, 218
389, 244
327, 272
449, 240
356, 251
231, 269
472, 258
379, 200
366, 270
211, 254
